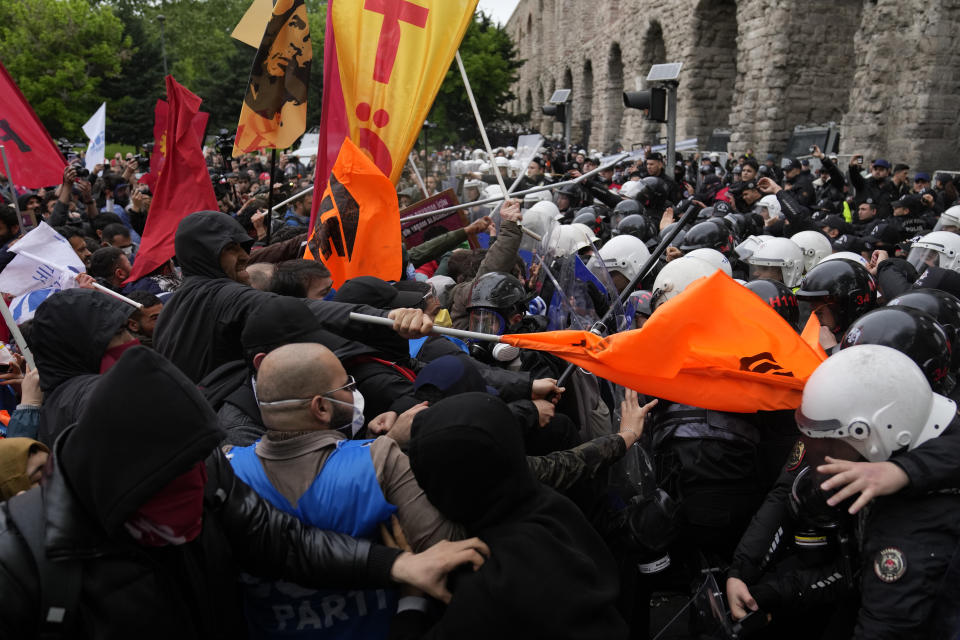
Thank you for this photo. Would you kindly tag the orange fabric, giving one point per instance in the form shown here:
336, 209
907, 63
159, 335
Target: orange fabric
716, 346
811, 335
4, 417
358, 224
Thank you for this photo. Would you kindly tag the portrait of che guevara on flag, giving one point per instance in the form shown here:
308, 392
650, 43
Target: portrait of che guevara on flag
274, 111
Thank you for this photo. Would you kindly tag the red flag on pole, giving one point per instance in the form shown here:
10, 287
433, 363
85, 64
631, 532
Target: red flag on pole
35, 161
160, 140
183, 185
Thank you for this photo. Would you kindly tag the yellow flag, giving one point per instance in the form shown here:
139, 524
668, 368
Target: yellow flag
250, 28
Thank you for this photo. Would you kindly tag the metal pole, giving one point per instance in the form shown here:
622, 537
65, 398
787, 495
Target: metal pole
13, 191
444, 331
671, 127
273, 170
416, 174
292, 198
520, 194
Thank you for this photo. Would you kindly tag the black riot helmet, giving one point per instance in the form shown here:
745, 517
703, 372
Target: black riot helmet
574, 196
745, 225
945, 309
494, 299
778, 296
911, 332
842, 287
623, 209
680, 237
638, 226
595, 218
704, 214
710, 234
653, 194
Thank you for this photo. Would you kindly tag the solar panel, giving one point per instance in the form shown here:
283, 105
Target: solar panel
560, 96
664, 72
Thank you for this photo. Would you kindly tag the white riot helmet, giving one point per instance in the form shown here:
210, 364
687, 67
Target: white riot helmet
772, 205
781, 254
501, 161
492, 191
547, 207
484, 167
631, 188
541, 221
940, 248
714, 257
746, 248
623, 254
847, 255
676, 276
874, 398
949, 220
573, 238
586, 231
815, 247
478, 154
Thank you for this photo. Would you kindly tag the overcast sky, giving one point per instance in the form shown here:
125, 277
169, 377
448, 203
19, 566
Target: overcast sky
499, 10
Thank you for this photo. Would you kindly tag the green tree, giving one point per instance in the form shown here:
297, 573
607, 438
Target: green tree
491, 62
58, 52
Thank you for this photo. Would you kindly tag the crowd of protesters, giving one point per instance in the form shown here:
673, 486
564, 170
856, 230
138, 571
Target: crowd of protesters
236, 457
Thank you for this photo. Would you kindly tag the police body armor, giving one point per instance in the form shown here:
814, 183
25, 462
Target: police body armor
346, 498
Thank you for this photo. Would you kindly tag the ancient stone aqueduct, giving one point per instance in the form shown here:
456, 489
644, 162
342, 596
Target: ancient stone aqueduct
886, 71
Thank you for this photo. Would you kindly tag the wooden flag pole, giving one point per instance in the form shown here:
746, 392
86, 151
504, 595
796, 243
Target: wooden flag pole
17, 335
13, 192
416, 173
483, 132
444, 331
269, 217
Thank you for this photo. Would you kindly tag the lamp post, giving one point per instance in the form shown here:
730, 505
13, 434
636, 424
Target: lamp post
163, 46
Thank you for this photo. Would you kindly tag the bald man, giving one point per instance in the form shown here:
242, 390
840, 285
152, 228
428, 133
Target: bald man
261, 274
306, 465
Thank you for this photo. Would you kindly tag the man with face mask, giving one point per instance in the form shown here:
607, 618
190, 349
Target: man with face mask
306, 466
202, 321
77, 334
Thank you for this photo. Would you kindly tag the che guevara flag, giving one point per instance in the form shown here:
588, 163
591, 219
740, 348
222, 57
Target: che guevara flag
274, 111
383, 63
717, 346
358, 226
183, 185
35, 161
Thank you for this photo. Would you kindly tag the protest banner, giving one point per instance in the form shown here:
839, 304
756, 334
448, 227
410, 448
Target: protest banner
34, 159
413, 230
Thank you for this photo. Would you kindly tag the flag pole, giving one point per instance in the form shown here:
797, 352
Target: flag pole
15, 332
444, 331
96, 285
483, 132
293, 197
273, 168
416, 173
13, 192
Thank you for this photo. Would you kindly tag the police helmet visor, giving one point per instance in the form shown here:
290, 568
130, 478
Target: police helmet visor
766, 271
923, 257
483, 320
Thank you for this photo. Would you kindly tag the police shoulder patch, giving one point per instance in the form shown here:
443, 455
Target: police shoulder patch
796, 456
890, 564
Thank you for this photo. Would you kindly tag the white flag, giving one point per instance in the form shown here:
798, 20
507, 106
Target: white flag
96, 130
45, 260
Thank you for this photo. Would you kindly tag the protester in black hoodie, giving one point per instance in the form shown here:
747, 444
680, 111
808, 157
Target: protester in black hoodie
73, 331
147, 521
549, 574
200, 327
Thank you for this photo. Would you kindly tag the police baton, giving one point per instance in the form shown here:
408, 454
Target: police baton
688, 215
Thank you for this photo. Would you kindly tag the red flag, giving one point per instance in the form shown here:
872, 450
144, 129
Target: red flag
160, 112
183, 185
716, 346
35, 161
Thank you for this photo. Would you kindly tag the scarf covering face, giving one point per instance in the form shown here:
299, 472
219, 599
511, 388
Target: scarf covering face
174, 515
550, 574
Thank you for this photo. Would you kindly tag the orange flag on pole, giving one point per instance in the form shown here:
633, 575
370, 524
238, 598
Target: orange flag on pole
383, 63
358, 226
716, 346
274, 111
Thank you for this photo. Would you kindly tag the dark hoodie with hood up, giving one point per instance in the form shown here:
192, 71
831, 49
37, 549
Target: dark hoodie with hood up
201, 323
71, 331
549, 574
104, 468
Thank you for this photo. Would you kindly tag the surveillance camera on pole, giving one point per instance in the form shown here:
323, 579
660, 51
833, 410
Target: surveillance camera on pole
556, 107
660, 102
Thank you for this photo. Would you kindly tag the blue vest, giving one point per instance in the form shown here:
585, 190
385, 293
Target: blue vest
346, 498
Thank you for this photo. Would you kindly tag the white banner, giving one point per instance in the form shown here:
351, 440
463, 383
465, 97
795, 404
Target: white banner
96, 130
45, 260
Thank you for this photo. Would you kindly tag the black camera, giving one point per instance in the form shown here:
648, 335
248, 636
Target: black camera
81, 170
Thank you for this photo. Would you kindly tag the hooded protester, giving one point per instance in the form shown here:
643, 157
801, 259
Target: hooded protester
21, 465
549, 574
77, 334
128, 540
202, 321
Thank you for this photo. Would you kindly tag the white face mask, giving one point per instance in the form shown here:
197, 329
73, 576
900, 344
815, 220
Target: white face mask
357, 423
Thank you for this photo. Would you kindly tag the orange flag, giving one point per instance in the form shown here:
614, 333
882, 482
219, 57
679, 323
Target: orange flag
383, 64
716, 346
358, 225
811, 335
274, 111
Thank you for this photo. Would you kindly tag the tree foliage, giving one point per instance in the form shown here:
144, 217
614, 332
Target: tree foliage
58, 52
491, 62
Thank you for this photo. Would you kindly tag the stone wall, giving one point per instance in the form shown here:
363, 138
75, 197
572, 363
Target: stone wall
886, 71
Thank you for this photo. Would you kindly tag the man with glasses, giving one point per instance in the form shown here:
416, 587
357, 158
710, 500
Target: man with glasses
307, 465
